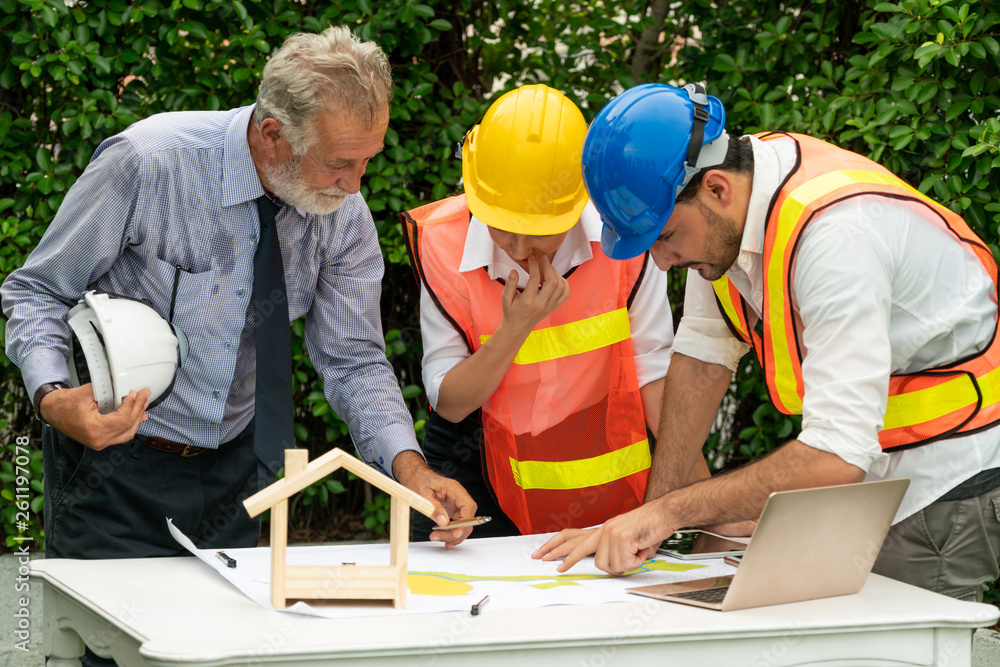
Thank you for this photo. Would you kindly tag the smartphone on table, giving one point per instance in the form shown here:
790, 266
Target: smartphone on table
695, 543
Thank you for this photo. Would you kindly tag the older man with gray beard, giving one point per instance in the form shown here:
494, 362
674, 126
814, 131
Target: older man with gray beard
172, 211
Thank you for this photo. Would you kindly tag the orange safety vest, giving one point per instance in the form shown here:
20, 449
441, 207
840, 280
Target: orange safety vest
564, 436
951, 400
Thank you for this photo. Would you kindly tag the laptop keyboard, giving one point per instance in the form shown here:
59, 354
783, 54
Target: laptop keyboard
710, 595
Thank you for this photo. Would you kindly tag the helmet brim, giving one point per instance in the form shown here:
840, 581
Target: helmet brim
617, 246
522, 223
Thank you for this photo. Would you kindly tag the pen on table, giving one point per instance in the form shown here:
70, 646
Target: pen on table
230, 562
479, 605
464, 523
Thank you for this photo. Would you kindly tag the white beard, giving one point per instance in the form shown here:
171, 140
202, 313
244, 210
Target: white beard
284, 180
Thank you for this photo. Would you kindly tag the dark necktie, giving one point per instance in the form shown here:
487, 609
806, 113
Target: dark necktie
273, 431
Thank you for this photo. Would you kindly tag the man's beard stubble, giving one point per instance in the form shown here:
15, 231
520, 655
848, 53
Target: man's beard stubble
724, 248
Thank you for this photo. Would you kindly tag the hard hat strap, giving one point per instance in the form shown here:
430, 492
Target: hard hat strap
173, 294
696, 93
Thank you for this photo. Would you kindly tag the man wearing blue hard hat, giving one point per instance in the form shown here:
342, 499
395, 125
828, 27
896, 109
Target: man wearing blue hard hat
872, 308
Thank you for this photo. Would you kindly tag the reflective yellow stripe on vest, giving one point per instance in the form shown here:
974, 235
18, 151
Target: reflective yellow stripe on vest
572, 338
922, 405
785, 377
721, 287
582, 473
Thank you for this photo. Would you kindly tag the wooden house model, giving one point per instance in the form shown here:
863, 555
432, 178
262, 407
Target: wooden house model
341, 582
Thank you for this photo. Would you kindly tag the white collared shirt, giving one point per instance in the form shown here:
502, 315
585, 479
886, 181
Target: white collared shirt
880, 290
649, 316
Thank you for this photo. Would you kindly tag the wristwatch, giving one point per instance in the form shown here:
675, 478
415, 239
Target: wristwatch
40, 393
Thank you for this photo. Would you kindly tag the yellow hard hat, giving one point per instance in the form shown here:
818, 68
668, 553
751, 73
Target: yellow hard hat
521, 163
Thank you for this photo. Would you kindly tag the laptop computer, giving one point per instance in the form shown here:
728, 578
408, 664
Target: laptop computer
808, 544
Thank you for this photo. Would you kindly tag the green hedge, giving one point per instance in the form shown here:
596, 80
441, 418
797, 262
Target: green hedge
913, 85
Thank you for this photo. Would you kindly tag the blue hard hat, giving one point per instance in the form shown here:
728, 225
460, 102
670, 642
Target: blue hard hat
637, 157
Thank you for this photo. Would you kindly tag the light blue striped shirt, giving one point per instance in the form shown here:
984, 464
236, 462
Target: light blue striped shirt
178, 190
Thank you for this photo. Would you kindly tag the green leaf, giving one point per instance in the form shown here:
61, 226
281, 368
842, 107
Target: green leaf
301, 432
423, 11
902, 83
197, 30
723, 62
49, 16
43, 158
976, 85
991, 44
927, 94
102, 64
886, 116
440, 24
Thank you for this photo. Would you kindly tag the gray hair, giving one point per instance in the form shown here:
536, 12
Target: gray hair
310, 73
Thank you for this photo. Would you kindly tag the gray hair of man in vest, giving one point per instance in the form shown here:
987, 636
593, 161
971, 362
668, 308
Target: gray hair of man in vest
333, 71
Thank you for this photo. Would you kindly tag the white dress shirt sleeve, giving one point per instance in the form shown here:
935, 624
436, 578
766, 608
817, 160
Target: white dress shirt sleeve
444, 347
652, 326
703, 333
843, 285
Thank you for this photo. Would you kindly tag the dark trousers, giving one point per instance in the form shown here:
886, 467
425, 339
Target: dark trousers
114, 503
455, 451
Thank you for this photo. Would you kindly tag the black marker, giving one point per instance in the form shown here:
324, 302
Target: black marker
230, 562
479, 605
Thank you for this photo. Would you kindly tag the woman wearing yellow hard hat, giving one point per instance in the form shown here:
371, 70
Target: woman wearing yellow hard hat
543, 359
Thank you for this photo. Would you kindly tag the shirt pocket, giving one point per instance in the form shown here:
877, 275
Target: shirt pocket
189, 299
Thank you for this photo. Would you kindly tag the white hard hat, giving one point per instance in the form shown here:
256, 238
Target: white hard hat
125, 346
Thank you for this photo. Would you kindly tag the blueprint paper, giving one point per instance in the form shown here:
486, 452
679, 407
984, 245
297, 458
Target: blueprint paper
441, 580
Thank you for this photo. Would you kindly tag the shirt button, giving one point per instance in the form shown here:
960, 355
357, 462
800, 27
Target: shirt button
215, 394
229, 346
241, 292
253, 237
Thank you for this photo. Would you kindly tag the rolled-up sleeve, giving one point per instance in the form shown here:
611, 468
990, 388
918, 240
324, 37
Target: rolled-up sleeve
845, 330
703, 334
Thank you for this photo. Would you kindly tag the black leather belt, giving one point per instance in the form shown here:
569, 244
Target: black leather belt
171, 447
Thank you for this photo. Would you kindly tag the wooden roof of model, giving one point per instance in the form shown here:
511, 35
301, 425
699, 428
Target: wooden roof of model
322, 466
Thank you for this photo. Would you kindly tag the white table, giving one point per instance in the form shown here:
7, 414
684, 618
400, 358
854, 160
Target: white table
176, 611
